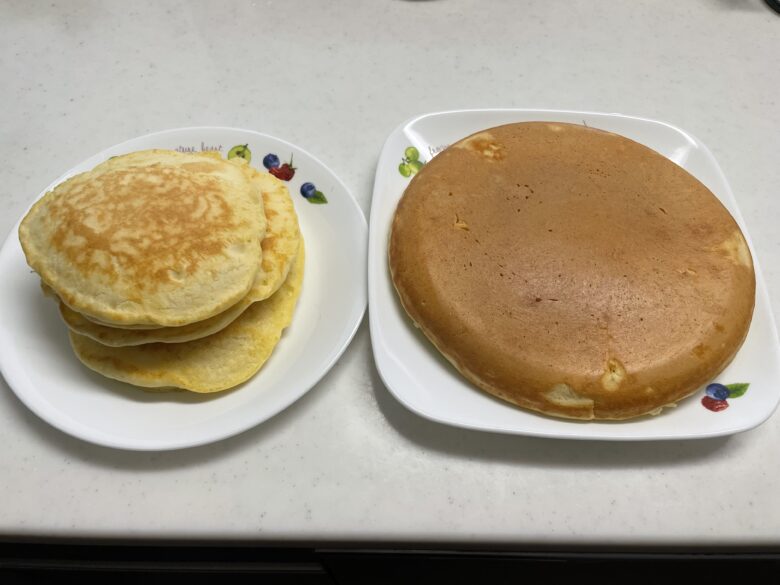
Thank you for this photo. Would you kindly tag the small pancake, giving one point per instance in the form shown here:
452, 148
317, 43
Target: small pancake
151, 238
283, 233
116, 337
211, 364
280, 244
572, 271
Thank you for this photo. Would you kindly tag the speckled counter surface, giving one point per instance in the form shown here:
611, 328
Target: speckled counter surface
347, 462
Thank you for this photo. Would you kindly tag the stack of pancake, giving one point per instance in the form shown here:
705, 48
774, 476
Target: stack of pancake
170, 269
572, 271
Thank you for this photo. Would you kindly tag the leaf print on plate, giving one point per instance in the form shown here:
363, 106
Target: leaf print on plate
737, 390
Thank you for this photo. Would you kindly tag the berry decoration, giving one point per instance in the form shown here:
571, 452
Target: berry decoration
713, 404
312, 194
270, 161
285, 172
717, 395
717, 391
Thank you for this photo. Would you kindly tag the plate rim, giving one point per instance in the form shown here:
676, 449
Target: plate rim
375, 267
16, 376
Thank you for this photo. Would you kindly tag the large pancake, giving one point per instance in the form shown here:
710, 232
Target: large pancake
154, 238
211, 364
572, 271
279, 246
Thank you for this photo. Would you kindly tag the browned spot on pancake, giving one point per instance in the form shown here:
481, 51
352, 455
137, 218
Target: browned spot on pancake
268, 242
144, 237
719, 328
700, 351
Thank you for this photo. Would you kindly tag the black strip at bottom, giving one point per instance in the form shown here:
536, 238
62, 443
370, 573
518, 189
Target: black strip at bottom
150, 565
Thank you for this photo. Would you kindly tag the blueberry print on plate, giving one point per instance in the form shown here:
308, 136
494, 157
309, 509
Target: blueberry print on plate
717, 395
311, 194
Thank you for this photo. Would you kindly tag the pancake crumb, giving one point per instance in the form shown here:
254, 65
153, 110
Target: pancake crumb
613, 376
460, 224
564, 395
485, 144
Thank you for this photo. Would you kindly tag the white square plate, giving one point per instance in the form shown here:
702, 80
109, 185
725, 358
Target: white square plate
427, 384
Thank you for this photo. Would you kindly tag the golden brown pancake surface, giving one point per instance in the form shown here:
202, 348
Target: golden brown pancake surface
572, 271
149, 238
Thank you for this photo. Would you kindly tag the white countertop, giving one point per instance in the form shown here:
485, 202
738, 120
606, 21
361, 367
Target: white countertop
347, 462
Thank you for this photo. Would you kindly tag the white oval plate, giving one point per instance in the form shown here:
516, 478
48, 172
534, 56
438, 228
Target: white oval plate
427, 384
38, 364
